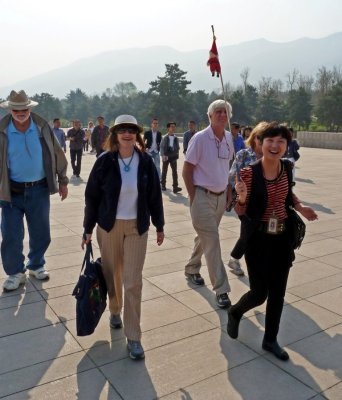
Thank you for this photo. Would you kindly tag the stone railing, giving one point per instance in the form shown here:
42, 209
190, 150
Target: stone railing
322, 140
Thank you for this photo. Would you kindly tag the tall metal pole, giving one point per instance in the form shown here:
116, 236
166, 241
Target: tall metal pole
223, 91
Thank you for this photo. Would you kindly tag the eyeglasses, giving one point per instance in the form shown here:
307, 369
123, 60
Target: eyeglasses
128, 130
223, 149
17, 111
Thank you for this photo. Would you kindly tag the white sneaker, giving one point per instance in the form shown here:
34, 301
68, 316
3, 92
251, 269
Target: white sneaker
14, 281
40, 273
235, 267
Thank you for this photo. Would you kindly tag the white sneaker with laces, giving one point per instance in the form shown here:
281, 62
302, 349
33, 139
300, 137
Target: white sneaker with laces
40, 273
14, 281
235, 267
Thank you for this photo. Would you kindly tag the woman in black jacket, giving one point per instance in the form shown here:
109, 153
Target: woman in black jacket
122, 195
264, 197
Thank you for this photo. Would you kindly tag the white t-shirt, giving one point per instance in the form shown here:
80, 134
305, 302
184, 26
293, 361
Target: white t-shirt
171, 140
128, 199
154, 146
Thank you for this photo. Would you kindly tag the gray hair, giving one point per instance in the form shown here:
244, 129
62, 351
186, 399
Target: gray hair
219, 104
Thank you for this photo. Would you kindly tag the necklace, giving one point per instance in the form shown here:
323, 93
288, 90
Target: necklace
126, 166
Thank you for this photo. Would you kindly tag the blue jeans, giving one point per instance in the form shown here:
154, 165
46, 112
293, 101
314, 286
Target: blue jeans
156, 159
34, 203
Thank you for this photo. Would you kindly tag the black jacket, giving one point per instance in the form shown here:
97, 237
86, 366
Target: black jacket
98, 137
103, 190
148, 139
258, 202
78, 136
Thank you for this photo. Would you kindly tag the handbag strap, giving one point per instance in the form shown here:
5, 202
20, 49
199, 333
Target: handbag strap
87, 255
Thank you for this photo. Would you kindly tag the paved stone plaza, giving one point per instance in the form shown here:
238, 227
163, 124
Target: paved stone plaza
188, 352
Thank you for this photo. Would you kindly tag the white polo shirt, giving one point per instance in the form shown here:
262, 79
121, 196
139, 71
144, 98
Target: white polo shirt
211, 159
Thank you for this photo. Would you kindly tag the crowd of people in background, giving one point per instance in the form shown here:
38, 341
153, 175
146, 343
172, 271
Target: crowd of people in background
242, 169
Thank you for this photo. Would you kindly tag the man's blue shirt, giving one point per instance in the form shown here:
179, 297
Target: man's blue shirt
24, 152
60, 135
239, 143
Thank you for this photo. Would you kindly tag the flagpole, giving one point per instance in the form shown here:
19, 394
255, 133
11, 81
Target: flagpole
223, 91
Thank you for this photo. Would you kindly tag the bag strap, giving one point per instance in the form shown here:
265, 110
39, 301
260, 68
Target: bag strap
288, 168
87, 255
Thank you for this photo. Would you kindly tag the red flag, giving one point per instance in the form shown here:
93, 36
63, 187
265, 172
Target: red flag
213, 61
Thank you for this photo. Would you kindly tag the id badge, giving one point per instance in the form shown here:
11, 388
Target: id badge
272, 226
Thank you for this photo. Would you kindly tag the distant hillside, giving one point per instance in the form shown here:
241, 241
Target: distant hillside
142, 65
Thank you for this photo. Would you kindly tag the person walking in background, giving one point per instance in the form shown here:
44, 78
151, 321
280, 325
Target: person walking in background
99, 135
152, 139
30, 160
243, 158
76, 137
264, 197
205, 174
188, 135
238, 141
122, 195
87, 138
59, 133
169, 150
246, 131
292, 154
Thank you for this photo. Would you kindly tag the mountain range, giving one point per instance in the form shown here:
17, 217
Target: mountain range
142, 65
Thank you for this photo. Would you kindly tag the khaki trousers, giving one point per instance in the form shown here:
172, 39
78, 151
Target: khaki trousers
206, 212
123, 253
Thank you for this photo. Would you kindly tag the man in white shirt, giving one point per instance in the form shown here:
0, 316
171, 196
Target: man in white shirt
169, 151
205, 174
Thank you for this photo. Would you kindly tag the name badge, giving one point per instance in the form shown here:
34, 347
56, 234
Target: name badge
272, 226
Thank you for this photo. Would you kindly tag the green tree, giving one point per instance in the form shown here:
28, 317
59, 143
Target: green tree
299, 107
269, 107
330, 106
77, 106
49, 107
251, 103
169, 95
96, 107
125, 89
238, 102
199, 105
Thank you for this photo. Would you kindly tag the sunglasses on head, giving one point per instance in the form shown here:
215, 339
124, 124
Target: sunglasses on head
126, 129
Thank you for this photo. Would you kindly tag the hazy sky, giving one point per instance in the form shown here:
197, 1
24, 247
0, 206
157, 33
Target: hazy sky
41, 35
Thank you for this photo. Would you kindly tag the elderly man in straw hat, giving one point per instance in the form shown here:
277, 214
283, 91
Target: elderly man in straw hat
30, 160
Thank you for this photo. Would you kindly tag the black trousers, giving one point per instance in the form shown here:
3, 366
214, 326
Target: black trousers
238, 250
268, 258
173, 165
76, 155
85, 145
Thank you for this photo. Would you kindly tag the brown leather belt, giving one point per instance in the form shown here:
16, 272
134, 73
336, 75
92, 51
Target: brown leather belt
209, 191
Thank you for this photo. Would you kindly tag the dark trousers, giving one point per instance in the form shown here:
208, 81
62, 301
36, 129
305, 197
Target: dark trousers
268, 269
238, 249
76, 155
85, 145
173, 165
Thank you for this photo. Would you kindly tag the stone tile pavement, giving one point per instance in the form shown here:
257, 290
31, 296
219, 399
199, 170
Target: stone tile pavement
188, 352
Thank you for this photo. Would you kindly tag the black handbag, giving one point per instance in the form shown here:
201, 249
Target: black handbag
297, 228
90, 293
